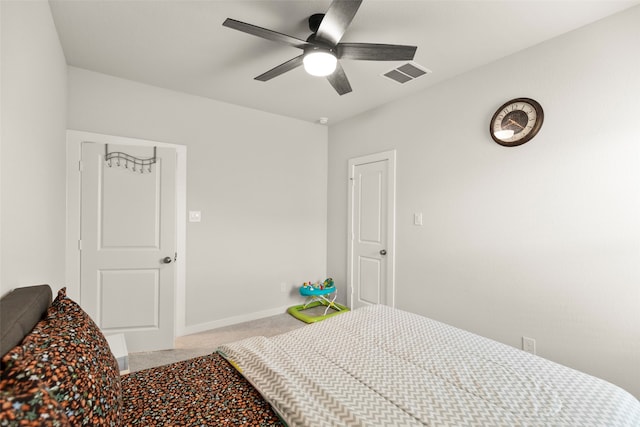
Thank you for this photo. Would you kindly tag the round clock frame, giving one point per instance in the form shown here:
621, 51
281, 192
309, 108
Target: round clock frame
524, 116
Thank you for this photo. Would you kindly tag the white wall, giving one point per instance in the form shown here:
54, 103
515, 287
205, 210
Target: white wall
33, 122
259, 179
541, 240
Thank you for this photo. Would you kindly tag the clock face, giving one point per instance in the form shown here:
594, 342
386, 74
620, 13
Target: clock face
516, 122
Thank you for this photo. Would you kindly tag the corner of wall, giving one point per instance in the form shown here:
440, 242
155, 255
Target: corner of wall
34, 120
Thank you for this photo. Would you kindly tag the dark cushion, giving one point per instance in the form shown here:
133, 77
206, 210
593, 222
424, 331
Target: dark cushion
68, 353
20, 310
29, 403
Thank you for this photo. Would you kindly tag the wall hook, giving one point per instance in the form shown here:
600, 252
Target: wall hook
136, 162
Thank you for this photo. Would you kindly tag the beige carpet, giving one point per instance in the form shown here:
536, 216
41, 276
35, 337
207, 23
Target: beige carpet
203, 343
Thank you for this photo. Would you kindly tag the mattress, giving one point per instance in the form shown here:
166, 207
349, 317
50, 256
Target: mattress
379, 366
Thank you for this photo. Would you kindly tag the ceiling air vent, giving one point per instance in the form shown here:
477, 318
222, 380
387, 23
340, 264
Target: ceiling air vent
406, 72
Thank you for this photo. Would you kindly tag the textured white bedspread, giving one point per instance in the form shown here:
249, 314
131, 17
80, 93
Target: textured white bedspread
379, 366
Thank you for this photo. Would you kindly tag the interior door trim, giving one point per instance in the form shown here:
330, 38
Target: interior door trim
390, 156
75, 139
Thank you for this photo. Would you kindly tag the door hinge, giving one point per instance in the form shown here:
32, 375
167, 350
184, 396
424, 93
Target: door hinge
80, 167
79, 245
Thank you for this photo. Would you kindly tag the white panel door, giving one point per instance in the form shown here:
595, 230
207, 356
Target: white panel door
128, 233
371, 231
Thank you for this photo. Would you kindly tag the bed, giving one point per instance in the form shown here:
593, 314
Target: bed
374, 366
378, 366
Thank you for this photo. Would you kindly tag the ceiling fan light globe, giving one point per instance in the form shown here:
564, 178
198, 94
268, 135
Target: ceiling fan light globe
319, 63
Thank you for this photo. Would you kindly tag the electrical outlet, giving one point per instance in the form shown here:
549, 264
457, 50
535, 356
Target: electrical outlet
529, 345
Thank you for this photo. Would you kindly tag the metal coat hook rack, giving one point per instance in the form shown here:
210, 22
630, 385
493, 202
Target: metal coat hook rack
123, 159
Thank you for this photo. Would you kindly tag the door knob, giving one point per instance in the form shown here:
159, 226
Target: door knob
383, 252
167, 260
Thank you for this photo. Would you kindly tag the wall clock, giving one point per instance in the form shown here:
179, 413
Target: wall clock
516, 122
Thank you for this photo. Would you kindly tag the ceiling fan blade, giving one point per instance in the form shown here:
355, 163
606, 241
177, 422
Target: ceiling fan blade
281, 69
265, 34
336, 21
376, 52
339, 81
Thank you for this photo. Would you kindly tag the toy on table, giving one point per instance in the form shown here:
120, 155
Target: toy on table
327, 284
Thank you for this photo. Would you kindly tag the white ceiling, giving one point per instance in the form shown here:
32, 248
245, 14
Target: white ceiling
182, 45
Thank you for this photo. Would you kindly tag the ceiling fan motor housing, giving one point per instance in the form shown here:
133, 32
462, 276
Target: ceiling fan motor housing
320, 48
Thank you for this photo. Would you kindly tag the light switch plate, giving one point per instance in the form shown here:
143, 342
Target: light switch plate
417, 218
195, 216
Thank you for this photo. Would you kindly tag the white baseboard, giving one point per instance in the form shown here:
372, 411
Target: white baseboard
201, 327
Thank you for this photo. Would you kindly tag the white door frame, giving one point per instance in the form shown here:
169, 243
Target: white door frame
390, 156
72, 269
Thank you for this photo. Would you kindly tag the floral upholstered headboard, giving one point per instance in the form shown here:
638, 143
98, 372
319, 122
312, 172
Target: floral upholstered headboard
57, 367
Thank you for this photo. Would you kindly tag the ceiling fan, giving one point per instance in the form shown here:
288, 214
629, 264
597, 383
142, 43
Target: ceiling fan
322, 50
